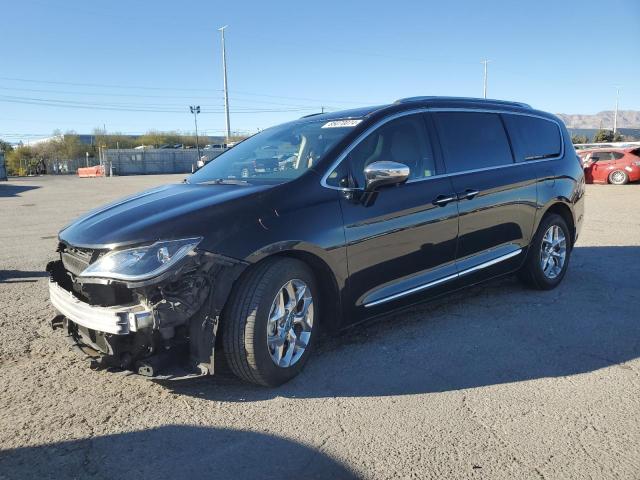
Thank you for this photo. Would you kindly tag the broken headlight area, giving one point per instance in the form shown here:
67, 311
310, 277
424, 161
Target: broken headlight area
163, 327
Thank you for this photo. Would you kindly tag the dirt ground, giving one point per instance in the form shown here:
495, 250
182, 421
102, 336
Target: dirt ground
493, 382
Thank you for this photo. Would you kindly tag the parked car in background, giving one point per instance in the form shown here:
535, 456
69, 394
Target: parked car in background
246, 169
617, 166
287, 161
388, 206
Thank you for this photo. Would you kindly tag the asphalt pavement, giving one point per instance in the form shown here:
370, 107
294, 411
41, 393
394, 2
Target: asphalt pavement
496, 381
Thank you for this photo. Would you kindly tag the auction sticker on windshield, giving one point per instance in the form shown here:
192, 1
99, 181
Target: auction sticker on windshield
342, 123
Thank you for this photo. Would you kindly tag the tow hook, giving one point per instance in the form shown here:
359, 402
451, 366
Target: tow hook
57, 322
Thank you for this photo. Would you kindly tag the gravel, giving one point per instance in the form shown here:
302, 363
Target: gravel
492, 382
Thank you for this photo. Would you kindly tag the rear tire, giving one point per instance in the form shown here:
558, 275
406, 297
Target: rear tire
248, 321
618, 177
547, 261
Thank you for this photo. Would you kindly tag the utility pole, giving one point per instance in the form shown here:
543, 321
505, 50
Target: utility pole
615, 114
195, 109
484, 84
226, 93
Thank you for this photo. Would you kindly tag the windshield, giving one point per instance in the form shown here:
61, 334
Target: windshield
277, 154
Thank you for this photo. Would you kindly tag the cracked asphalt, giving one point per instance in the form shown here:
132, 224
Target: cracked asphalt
493, 382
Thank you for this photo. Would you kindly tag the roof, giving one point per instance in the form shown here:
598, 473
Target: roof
471, 100
423, 101
351, 113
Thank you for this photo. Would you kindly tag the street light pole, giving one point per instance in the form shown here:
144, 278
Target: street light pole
615, 114
195, 109
484, 83
226, 93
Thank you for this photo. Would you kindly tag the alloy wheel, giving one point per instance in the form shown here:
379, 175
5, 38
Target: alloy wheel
290, 323
618, 177
553, 252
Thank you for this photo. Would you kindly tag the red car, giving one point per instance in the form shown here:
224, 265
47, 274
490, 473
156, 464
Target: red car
611, 165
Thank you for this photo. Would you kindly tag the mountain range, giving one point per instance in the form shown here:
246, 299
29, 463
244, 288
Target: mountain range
626, 119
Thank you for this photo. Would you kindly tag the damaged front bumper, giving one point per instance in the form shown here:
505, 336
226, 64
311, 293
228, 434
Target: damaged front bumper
165, 328
117, 320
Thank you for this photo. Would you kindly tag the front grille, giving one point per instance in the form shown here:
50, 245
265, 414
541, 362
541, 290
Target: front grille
75, 260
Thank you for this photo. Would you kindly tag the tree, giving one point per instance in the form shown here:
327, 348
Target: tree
5, 146
606, 136
156, 138
21, 160
603, 136
579, 139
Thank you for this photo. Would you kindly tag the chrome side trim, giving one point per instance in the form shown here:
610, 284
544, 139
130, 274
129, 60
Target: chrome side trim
501, 258
444, 279
369, 130
118, 320
411, 290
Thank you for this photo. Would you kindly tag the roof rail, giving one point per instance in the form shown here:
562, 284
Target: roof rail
466, 99
312, 114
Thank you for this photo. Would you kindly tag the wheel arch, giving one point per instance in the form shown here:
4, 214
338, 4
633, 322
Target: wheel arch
329, 280
561, 207
327, 285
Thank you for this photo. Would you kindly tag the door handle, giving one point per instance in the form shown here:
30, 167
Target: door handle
442, 200
468, 194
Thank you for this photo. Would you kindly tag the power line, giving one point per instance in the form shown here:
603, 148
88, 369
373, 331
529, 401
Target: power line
317, 101
152, 108
136, 95
105, 85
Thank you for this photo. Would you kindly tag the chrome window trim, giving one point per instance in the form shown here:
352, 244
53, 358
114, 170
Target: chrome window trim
359, 139
363, 135
433, 283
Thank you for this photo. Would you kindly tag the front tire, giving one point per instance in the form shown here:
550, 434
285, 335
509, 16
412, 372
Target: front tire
618, 177
271, 324
548, 255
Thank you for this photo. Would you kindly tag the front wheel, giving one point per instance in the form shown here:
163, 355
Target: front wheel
548, 255
271, 324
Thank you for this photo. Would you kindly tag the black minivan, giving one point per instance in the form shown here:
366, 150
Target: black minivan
374, 209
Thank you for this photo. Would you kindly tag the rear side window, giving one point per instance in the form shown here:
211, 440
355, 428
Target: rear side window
605, 156
533, 138
472, 140
600, 157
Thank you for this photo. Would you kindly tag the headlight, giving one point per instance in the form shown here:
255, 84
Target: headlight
141, 263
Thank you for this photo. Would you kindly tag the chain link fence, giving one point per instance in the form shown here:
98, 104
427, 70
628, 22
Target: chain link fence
153, 161
3, 167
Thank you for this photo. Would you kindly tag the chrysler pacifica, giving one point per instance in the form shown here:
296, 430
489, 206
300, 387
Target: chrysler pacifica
376, 208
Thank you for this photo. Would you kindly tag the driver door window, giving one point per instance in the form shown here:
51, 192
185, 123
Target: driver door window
403, 140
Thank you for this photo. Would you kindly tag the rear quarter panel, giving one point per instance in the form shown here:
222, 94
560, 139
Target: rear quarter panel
562, 181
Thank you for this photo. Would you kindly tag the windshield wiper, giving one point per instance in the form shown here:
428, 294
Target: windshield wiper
224, 181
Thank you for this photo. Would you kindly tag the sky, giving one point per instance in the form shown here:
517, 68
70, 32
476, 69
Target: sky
134, 66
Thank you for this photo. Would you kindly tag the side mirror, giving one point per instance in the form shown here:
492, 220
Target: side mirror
379, 174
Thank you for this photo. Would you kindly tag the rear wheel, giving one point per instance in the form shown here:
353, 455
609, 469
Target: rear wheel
548, 255
618, 177
272, 322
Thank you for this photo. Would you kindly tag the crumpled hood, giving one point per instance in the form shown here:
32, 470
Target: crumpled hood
166, 212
